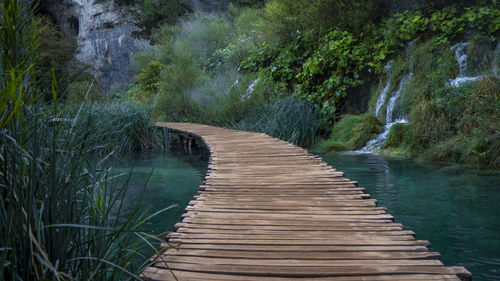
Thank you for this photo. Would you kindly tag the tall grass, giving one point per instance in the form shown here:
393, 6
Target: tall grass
60, 210
117, 127
289, 119
351, 133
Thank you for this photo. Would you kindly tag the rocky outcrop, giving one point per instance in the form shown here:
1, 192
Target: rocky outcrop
103, 31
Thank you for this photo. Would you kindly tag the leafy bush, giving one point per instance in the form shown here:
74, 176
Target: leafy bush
176, 80
337, 65
152, 14
352, 132
55, 52
456, 124
145, 90
200, 35
397, 136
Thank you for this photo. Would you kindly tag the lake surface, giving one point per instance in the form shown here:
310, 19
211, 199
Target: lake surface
456, 209
175, 179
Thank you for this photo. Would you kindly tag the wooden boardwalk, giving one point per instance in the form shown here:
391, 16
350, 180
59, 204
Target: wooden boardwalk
269, 210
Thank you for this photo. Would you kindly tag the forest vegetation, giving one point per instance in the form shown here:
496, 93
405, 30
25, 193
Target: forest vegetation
309, 72
227, 66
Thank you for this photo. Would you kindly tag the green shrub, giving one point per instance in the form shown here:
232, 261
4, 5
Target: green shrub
180, 76
481, 55
234, 105
153, 14
200, 35
432, 68
397, 136
55, 51
145, 90
352, 132
458, 124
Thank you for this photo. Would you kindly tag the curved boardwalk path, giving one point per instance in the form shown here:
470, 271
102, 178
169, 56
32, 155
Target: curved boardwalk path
269, 210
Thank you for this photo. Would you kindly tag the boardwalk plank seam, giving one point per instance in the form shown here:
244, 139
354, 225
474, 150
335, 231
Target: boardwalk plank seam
269, 210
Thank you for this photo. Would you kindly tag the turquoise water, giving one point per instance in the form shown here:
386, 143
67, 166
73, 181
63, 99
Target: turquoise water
175, 179
456, 209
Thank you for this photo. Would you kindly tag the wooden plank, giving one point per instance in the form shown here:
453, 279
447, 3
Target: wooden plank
160, 274
311, 255
299, 249
311, 271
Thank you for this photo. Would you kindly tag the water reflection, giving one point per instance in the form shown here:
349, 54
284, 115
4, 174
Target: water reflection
456, 209
175, 179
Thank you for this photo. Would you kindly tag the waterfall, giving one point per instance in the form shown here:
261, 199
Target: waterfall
375, 145
252, 86
395, 97
495, 61
250, 89
383, 94
461, 56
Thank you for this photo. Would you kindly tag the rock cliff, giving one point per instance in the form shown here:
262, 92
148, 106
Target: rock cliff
103, 31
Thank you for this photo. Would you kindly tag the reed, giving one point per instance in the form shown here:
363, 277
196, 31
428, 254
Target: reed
61, 215
118, 127
289, 119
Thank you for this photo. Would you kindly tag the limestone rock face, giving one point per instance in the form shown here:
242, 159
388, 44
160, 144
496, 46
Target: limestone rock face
103, 31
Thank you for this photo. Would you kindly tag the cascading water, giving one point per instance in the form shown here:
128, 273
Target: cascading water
383, 94
250, 89
495, 61
375, 145
461, 56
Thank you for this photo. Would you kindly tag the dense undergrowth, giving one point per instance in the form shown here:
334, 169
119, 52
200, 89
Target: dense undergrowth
61, 215
352, 132
230, 68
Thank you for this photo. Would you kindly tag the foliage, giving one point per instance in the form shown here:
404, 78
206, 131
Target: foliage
468, 116
119, 127
201, 35
348, 56
446, 123
18, 43
432, 67
60, 213
181, 75
351, 133
397, 135
337, 65
146, 86
288, 16
152, 14
327, 53
289, 119
56, 51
